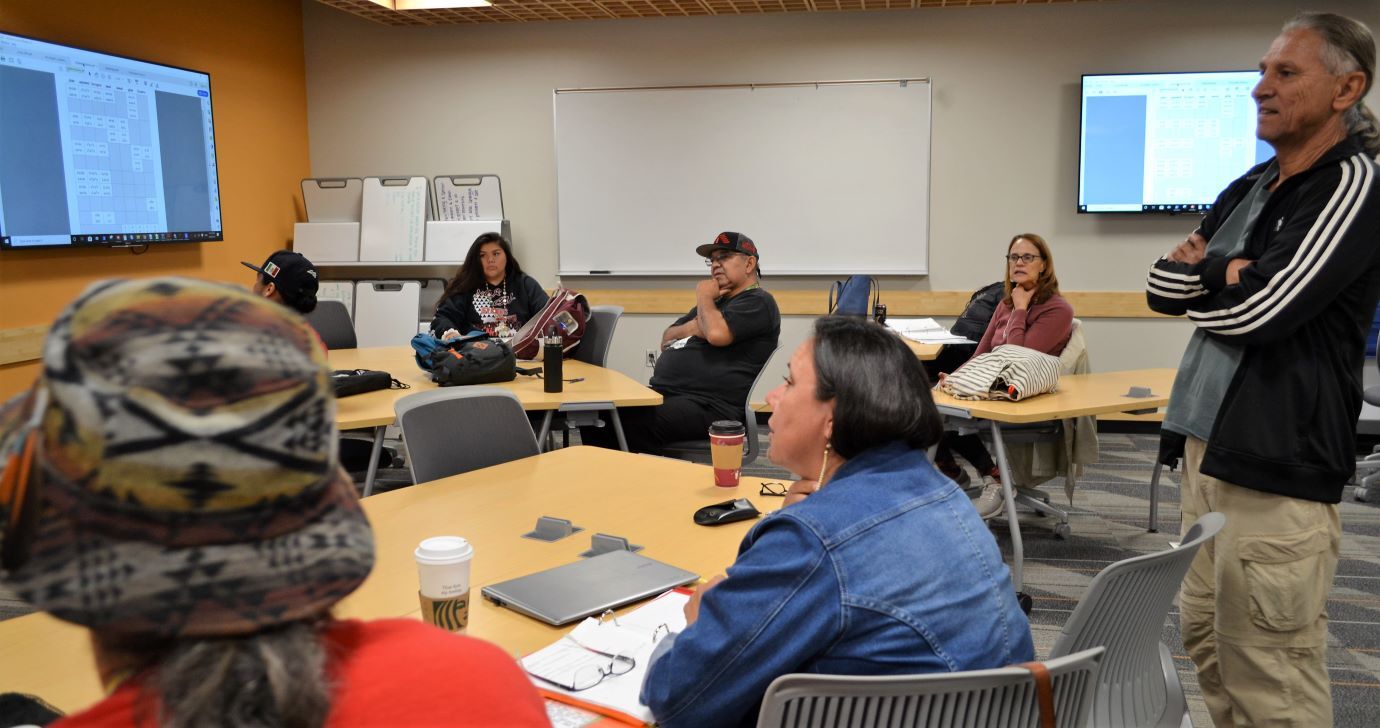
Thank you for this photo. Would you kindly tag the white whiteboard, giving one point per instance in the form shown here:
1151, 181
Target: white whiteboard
827, 179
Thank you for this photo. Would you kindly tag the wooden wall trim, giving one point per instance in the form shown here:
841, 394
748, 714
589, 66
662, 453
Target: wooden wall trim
22, 344
1086, 304
26, 343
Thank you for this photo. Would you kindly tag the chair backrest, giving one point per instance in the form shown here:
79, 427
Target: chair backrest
1076, 349
1005, 697
332, 321
454, 430
1124, 611
599, 328
752, 445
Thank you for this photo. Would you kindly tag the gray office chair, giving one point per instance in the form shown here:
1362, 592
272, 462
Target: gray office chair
1004, 697
1036, 433
1124, 611
1366, 487
593, 349
594, 346
699, 449
454, 430
332, 321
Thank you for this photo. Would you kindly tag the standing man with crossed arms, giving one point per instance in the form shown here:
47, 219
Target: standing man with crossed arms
1281, 280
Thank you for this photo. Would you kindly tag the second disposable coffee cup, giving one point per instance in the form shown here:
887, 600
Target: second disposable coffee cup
443, 570
726, 448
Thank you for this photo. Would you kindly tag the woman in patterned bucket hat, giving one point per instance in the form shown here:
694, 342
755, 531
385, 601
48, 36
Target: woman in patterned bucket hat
171, 483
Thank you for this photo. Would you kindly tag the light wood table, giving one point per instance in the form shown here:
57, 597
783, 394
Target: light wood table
1077, 395
647, 499
923, 352
599, 389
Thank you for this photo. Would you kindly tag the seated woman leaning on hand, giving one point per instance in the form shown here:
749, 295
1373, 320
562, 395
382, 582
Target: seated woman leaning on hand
1033, 315
489, 293
884, 570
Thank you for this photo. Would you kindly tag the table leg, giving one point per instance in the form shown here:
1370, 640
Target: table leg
1008, 495
1154, 526
374, 454
618, 430
545, 431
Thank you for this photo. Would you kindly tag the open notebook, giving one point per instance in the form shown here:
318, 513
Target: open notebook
585, 651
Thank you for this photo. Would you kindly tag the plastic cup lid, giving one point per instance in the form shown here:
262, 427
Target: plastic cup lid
443, 550
726, 427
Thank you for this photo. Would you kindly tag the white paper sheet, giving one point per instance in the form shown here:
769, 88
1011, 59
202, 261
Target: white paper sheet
631, 634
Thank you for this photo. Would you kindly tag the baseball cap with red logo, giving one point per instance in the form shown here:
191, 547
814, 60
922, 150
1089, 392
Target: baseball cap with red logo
732, 242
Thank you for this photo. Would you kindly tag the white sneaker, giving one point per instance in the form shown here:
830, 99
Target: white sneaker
990, 503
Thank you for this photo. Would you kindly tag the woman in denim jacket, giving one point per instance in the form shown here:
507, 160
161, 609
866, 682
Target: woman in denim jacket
886, 569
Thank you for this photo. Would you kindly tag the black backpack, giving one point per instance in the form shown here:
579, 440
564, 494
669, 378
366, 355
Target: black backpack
472, 361
972, 323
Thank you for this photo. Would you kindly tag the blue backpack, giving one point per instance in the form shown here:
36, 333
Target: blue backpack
857, 296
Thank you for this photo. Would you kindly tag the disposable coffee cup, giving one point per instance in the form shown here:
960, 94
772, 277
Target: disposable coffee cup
726, 448
443, 570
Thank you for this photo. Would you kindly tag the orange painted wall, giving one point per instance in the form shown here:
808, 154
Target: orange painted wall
253, 50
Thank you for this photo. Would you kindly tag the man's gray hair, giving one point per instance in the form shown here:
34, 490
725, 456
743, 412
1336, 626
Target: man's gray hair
1348, 46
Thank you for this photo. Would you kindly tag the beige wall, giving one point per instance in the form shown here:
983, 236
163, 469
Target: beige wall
438, 100
253, 51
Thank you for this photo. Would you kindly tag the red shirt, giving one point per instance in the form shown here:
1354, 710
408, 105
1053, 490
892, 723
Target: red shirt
1044, 327
393, 672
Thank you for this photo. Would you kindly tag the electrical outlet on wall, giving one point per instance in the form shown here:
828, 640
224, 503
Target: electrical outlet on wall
651, 357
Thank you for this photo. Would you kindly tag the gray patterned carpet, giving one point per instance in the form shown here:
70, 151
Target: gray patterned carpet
1108, 524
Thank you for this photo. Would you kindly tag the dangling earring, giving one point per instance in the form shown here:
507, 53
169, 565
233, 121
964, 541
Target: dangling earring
824, 465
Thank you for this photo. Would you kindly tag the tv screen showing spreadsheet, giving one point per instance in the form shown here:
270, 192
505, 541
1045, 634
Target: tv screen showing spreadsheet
1165, 142
98, 149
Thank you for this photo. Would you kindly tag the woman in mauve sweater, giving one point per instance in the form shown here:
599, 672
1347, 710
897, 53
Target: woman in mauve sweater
1033, 315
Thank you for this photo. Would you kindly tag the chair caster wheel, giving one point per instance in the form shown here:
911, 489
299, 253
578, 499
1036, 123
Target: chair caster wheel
1062, 531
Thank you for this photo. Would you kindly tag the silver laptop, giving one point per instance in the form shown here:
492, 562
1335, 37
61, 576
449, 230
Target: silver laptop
589, 586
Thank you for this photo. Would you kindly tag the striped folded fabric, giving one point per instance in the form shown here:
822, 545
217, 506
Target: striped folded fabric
1007, 372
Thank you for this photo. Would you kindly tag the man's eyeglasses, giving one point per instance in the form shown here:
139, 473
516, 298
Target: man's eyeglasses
772, 487
1024, 258
720, 258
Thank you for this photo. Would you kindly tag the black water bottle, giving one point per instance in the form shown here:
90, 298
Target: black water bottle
551, 361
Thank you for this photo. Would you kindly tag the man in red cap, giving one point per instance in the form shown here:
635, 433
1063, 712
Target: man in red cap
710, 356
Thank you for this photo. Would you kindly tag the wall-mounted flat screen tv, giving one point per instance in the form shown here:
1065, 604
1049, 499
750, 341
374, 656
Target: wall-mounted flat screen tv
97, 149
1165, 142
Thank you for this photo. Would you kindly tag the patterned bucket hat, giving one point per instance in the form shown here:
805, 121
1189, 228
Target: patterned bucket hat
173, 471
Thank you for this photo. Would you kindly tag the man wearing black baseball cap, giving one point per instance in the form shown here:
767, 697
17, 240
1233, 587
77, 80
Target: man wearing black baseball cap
288, 278
710, 356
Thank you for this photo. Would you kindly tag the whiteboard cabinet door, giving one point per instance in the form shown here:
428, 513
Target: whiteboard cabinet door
386, 312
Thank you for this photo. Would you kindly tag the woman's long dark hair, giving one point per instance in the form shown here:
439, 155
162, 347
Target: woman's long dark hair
471, 274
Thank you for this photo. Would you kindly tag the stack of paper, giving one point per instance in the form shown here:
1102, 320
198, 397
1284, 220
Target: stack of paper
925, 331
634, 635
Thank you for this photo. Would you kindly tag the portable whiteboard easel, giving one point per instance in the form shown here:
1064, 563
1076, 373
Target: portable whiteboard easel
467, 206
331, 232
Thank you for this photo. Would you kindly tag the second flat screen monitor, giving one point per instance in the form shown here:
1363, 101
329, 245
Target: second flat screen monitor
1165, 142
